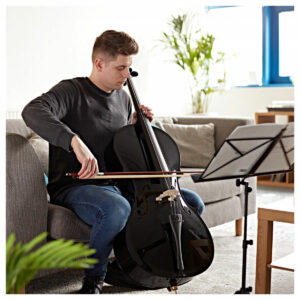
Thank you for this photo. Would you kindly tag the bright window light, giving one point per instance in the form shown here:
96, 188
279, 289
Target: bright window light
238, 33
287, 43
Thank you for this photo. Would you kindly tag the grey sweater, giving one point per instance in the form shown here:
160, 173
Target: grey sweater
77, 107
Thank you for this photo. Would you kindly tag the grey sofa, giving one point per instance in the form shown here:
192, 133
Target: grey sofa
28, 211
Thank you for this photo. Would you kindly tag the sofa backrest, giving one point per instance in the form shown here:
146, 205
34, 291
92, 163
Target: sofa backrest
223, 127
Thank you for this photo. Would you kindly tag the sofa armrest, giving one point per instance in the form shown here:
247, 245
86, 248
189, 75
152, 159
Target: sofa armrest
26, 196
223, 125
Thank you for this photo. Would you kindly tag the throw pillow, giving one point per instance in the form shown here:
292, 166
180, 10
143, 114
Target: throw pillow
196, 142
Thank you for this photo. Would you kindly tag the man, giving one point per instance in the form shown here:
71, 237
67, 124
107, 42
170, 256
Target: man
78, 117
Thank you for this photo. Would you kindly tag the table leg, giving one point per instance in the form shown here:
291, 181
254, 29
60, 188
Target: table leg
239, 227
263, 256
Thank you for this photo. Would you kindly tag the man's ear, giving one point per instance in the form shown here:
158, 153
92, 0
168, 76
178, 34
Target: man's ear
99, 62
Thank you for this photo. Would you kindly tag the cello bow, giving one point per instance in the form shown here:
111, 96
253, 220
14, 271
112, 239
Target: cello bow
140, 174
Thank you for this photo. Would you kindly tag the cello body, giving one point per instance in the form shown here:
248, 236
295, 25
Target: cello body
165, 242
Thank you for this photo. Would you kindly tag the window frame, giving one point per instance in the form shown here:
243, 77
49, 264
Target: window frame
270, 46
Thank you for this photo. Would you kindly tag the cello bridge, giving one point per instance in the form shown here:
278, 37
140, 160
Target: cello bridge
170, 194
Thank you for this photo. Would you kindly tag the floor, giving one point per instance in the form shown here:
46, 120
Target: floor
224, 275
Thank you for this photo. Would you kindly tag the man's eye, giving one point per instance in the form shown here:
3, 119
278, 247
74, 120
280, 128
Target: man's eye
121, 68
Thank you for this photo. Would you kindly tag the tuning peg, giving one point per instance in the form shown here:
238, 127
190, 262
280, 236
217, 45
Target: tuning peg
133, 73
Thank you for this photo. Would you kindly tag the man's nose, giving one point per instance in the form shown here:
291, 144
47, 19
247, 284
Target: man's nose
126, 73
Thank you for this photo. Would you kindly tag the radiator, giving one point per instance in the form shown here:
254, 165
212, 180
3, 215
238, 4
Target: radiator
13, 115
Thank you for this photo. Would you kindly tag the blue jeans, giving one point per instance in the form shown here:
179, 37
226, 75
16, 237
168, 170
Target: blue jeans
106, 210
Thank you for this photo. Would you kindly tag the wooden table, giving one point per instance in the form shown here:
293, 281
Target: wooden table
264, 263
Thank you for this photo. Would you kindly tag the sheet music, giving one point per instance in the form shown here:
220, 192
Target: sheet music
276, 160
238, 167
269, 130
246, 145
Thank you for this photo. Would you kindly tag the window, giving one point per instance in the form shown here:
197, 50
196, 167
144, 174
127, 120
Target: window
287, 44
258, 42
278, 44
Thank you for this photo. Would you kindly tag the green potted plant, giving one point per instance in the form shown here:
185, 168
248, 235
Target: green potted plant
193, 52
23, 261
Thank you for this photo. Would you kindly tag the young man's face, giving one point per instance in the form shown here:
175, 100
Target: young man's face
115, 72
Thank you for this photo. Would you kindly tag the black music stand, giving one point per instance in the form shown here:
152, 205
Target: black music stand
251, 150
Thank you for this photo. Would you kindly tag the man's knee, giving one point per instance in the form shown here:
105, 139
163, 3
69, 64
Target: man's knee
194, 200
201, 208
118, 212
123, 210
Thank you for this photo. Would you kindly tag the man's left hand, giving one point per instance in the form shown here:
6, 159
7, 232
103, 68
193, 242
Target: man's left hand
146, 110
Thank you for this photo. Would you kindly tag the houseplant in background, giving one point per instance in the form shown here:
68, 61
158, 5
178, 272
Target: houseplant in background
22, 263
193, 52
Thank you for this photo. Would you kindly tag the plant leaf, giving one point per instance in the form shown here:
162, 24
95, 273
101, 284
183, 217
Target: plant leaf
21, 266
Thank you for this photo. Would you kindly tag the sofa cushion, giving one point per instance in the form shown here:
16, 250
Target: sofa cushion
63, 223
223, 125
220, 212
211, 191
196, 142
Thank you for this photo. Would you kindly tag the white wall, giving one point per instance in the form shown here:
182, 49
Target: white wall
245, 101
47, 44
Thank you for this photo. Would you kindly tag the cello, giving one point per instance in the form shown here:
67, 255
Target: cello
165, 243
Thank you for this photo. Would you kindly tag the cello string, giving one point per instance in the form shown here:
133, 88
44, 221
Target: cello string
147, 128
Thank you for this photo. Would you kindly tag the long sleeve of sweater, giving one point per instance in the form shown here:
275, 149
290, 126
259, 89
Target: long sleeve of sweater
45, 113
77, 107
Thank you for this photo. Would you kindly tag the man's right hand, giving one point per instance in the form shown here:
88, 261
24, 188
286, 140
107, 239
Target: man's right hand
89, 165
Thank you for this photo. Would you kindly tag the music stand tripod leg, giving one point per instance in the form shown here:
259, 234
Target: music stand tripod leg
247, 190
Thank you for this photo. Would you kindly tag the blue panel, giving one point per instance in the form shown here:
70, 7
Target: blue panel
270, 55
266, 59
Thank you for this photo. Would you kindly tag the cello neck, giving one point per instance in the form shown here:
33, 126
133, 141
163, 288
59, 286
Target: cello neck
157, 157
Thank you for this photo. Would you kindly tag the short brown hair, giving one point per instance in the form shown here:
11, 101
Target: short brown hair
113, 42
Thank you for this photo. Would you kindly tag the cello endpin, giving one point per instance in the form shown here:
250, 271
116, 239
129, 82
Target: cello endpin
173, 289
